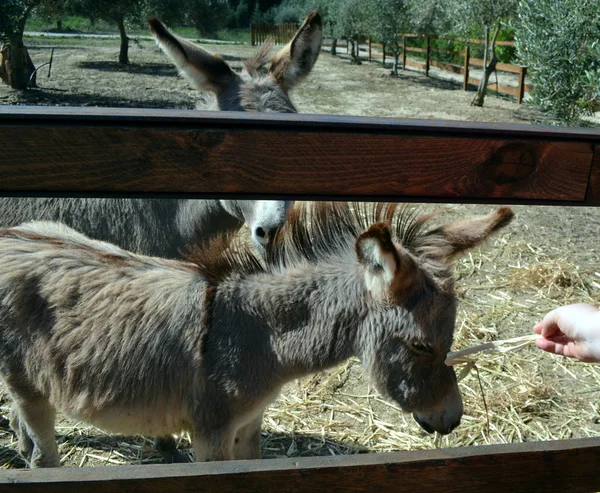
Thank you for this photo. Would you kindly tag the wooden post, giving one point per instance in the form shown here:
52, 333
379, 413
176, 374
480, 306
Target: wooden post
427, 54
383, 53
403, 52
347, 46
521, 84
252, 35
466, 68
369, 48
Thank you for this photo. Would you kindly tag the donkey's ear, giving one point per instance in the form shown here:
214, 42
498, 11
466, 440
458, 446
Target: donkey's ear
388, 270
297, 58
455, 238
202, 69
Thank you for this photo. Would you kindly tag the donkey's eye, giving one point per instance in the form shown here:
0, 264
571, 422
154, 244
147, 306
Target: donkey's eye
423, 349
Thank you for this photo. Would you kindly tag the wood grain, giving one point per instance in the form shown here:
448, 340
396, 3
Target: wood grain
593, 197
205, 153
562, 466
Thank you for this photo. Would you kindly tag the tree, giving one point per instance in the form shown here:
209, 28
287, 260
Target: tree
354, 21
559, 42
207, 16
482, 18
121, 12
390, 18
16, 67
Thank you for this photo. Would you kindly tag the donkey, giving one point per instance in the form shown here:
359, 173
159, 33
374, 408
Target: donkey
163, 227
156, 227
136, 344
252, 90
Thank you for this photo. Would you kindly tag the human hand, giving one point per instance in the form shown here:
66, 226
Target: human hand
571, 330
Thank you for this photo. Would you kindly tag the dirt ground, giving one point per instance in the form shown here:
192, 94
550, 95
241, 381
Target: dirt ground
547, 257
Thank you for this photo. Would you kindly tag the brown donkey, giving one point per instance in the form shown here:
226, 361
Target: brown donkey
137, 344
254, 90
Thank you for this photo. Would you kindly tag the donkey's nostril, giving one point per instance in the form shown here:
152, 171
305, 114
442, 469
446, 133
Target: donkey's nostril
453, 426
423, 424
260, 233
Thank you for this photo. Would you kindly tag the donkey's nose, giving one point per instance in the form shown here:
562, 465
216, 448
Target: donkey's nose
263, 236
442, 427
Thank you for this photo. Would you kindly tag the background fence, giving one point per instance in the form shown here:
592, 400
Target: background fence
369, 50
276, 33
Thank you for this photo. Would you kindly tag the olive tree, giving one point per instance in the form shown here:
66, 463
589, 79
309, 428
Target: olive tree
389, 19
16, 67
484, 18
559, 42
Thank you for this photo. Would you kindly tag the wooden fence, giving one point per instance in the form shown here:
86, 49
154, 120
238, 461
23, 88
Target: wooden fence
280, 34
104, 152
377, 51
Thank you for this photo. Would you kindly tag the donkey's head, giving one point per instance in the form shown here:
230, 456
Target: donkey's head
405, 335
263, 217
253, 90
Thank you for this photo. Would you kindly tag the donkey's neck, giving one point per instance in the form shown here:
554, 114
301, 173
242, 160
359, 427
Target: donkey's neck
307, 316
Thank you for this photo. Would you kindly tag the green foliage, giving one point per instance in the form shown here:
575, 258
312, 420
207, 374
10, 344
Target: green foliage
207, 16
559, 42
240, 17
472, 17
13, 16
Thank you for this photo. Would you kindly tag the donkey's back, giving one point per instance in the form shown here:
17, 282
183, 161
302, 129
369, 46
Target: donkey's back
138, 225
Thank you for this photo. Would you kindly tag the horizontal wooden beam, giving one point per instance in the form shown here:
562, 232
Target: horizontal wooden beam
447, 66
503, 67
110, 152
569, 466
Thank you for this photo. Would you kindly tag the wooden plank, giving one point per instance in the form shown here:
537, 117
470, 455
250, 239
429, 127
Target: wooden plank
593, 195
416, 50
460, 40
447, 52
569, 466
521, 92
512, 91
110, 152
448, 67
419, 65
466, 69
504, 67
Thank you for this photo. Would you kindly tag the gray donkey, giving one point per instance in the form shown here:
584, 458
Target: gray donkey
137, 344
162, 227
157, 227
253, 90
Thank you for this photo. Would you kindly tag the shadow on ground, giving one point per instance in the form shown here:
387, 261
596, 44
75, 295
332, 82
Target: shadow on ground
273, 445
60, 97
154, 69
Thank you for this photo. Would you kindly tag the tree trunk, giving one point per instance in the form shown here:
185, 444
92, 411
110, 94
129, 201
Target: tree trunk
334, 47
355, 54
488, 54
16, 66
396, 57
59, 26
123, 53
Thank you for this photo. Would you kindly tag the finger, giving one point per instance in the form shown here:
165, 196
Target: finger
562, 347
537, 328
549, 324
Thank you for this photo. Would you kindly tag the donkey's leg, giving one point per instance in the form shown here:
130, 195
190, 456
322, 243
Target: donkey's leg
247, 440
38, 418
23, 438
167, 447
214, 445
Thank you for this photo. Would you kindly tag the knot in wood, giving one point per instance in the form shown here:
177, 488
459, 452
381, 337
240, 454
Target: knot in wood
512, 163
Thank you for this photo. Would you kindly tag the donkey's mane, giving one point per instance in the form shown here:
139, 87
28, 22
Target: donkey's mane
312, 232
259, 60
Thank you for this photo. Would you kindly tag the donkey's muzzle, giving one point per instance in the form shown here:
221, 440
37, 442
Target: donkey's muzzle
442, 429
